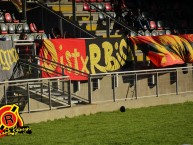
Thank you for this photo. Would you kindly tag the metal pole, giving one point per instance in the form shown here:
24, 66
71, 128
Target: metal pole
24, 10
74, 10
49, 94
108, 26
5, 94
41, 87
114, 97
157, 85
74, 16
177, 91
28, 97
89, 90
63, 80
61, 23
136, 95
69, 93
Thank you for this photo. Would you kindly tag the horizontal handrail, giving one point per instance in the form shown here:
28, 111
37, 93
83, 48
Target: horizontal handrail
31, 80
141, 71
61, 65
38, 66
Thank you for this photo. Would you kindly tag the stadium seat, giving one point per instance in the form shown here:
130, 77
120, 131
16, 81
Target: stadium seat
86, 7
33, 28
101, 6
145, 24
133, 34
15, 37
44, 36
8, 18
154, 33
161, 32
1, 17
141, 32
147, 33
145, 15
101, 16
30, 37
160, 25
108, 6
38, 37
3, 28
168, 32
26, 28
19, 28
6, 37
92, 8
152, 25
11, 28
14, 19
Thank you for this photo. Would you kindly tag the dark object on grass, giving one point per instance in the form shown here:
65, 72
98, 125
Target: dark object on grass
122, 109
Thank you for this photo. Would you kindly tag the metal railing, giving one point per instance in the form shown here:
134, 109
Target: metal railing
36, 94
140, 84
50, 93
67, 21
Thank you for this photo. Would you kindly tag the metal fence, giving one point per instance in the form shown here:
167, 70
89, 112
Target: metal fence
58, 92
140, 84
37, 94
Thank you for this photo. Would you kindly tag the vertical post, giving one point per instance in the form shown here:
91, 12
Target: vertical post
74, 10
136, 95
63, 80
177, 85
49, 95
61, 22
157, 84
74, 15
41, 87
114, 96
24, 10
108, 26
34, 49
89, 90
28, 97
69, 93
90, 21
5, 93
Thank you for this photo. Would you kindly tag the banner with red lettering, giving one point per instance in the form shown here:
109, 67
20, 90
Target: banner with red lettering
165, 50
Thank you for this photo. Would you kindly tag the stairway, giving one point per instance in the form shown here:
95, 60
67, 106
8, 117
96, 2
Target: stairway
87, 19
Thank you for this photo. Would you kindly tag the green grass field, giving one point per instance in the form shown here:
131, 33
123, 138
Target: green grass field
163, 125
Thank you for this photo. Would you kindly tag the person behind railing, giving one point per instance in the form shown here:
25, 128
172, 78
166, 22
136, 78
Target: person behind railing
56, 33
117, 7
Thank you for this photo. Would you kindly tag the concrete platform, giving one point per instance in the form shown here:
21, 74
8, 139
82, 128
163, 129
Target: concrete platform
70, 112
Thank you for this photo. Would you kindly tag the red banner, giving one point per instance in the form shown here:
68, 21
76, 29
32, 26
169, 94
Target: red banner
80, 57
68, 52
165, 50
